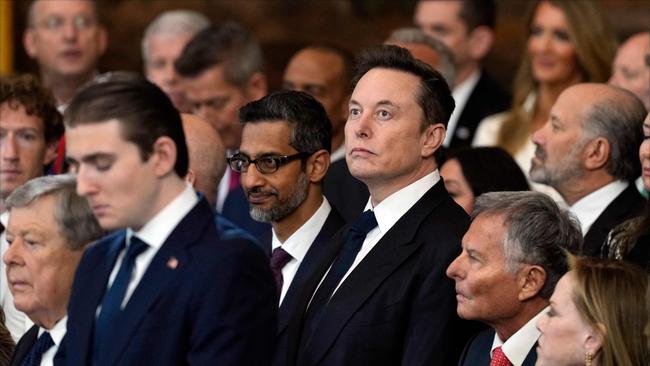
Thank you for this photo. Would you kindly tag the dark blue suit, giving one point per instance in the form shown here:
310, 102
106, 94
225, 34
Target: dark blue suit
213, 307
477, 351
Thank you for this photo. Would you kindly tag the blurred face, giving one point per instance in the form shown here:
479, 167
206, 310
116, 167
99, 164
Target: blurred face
385, 144
40, 267
163, 49
122, 190
550, 49
23, 149
558, 153
65, 37
564, 332
456, 184
217, 101
321, 74
644, 153
485, 291
272, 196
630, 71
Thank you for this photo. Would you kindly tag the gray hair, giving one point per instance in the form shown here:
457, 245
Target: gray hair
72, 213
538, 232
173, 22
618, 117
415, 35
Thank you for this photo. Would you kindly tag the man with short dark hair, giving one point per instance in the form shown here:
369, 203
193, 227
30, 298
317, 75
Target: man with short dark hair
163, 289
221, 70
467, 28
588, 151
380, 295
513, 255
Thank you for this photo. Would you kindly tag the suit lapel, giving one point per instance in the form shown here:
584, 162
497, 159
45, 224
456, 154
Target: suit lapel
24, 346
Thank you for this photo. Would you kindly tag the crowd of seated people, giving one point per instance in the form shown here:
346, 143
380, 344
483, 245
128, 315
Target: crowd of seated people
392, 206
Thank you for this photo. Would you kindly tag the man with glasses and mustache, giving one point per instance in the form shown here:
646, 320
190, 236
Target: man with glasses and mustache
283, 158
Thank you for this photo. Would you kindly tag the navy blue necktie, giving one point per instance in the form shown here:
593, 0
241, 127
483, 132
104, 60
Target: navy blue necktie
112, 302
340, 267
42, 344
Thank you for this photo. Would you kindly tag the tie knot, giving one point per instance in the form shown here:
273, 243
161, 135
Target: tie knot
499, 358
136, 247
366, 222
279, 258
43, 343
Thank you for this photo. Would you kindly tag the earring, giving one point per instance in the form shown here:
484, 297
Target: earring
588, 358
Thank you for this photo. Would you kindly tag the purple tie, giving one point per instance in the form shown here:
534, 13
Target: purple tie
279, 258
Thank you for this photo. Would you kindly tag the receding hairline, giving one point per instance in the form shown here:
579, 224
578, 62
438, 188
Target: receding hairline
31, 11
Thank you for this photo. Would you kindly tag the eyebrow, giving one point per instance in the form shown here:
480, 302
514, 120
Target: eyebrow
91, 158
383, 102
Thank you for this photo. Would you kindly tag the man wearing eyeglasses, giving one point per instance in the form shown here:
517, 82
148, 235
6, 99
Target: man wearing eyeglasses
66, 40
283, 158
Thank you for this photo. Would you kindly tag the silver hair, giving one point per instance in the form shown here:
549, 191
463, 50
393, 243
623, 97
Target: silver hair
415, 35
538, 232
72, 213
173, 22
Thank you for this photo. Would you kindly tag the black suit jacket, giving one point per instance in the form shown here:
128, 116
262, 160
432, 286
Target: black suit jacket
626, 205
397, 306
201, 301
25, 344
309, 263
486, 99
477, 351
346, 193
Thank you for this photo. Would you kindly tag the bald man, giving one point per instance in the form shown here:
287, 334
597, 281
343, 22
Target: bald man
631, 68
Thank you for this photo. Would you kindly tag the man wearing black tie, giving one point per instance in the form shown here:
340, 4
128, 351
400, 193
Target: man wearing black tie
380, 295
49, 227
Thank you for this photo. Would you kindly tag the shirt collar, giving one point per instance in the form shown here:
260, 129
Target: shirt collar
300, 241
57, 332
589, 207
517, 347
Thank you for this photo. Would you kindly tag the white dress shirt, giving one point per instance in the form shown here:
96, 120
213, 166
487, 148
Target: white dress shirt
57, 332
517, 347
15, 321
154, 233
589, 207
298, 244
461, 94
338, 154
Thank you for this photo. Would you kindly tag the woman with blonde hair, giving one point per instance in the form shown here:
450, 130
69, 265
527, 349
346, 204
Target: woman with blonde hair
568, 42
597, 316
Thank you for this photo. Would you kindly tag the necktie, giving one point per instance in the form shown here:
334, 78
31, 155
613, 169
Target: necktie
499, 358
340, 267
279, 258
112, 302
42, 344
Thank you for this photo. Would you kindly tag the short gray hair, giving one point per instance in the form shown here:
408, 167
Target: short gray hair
415, 35
72, 213
538, 232
173, 22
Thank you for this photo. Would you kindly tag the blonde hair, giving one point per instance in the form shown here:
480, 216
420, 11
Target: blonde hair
595, 46
611, 297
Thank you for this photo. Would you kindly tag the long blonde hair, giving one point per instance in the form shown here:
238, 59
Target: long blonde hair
595, 46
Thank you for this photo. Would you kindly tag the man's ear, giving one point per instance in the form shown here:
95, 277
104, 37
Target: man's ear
317, 165
480, 42
432, 138
51, 151
531, 281
596, 153
164, 155
102, 40
190, 177
29, 42
256, 87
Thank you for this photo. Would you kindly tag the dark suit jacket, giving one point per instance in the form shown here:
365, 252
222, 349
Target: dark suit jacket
309, 264
215, 306
237, 210
25, 344
397, 306
628, 204
477, 351
486, 99
346, 193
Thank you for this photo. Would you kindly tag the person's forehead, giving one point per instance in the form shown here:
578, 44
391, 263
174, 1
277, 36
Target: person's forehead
14, 113
387, 84
45, 8
270, 135
439, 11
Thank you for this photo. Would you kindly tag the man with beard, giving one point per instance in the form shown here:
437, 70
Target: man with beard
587, 151
283, 158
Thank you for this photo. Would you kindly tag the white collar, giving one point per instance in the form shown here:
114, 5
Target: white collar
517, 347
589, 207
300, 241
461, 94
57, 332
338, 154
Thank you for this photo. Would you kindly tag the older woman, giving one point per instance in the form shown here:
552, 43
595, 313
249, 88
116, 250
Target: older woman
597, 316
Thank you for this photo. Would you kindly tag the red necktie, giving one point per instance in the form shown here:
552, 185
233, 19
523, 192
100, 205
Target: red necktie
499, 358
234, 180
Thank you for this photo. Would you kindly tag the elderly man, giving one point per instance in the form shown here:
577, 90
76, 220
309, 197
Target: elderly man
631, 68
48, 229
467, 28
163, 42
588, 152
66, 39
221, 68
30, 127
512, 258
380, 295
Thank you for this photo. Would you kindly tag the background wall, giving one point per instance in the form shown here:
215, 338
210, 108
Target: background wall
284, 26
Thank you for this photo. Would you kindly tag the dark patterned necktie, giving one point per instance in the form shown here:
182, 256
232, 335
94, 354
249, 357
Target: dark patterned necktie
279, 258
42, 344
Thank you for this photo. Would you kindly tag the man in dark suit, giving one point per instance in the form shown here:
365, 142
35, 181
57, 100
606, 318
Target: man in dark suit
163, 289
588, 152
287, 192
49, 227
467, 28
385, 299
511, 261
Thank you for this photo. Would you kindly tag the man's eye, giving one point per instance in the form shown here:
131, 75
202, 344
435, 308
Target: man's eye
383, 114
